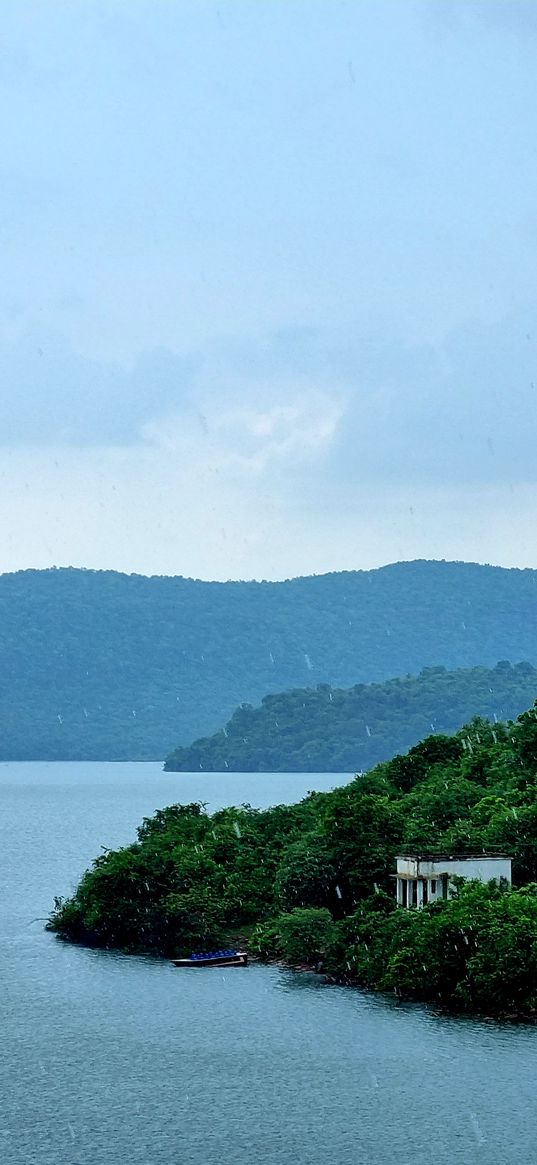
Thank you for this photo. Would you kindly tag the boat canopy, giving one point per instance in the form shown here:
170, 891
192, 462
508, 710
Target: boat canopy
212, 955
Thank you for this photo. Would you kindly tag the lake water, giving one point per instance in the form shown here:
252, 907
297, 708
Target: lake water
115, 1059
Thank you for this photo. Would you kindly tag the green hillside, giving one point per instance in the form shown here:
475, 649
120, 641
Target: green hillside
314, 881
350, 730
104, 665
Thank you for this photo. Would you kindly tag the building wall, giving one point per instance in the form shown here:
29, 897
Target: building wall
421, 881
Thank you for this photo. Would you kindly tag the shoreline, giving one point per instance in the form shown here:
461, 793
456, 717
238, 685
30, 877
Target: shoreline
507, 1018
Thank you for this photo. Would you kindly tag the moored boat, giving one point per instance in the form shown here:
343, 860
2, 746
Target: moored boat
214, 959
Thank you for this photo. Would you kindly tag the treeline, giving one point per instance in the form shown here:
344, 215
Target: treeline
476, 952
99, 665
313, 881
339, 730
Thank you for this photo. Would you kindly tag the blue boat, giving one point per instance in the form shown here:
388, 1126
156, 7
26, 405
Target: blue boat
214, 959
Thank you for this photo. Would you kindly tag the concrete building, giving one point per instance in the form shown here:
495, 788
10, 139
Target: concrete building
423, 878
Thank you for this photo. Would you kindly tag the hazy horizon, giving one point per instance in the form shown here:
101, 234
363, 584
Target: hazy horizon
268, 305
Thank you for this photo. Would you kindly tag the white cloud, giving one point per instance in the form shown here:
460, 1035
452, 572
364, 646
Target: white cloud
290, 454
278, 266
294, 433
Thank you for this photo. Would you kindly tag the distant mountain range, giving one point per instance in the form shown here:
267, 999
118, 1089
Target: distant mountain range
342, 730
95, 664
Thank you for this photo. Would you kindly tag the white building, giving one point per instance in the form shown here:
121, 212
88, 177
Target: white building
423, 878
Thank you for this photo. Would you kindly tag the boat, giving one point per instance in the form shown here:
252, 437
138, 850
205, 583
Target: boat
214, 959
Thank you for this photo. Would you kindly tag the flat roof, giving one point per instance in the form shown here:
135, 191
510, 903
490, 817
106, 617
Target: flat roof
483, 856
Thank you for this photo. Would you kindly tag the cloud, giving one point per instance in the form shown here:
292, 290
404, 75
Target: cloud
464, 411
353, 408
253, 401
51, 395
305, 450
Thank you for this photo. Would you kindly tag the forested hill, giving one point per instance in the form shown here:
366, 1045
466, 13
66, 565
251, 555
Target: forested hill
104, 665
350, 730
314, 881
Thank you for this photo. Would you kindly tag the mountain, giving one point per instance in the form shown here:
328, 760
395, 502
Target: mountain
342, 730
95, 664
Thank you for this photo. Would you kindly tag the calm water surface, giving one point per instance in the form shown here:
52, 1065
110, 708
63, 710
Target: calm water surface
116, 1059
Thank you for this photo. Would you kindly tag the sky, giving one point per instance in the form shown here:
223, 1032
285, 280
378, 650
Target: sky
268, 298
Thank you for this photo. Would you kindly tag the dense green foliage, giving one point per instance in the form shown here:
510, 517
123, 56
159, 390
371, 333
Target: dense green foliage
474, 952
302, 936
342, 730
104, 665
314, 880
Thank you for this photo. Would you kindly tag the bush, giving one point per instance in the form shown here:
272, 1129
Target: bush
305, 934
265, 940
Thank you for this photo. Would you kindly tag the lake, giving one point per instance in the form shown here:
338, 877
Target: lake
119, 1059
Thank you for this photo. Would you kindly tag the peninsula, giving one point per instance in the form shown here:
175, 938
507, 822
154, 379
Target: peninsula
345, 730
314, 882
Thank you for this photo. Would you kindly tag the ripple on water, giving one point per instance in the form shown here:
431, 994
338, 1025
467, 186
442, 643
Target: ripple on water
116, 1059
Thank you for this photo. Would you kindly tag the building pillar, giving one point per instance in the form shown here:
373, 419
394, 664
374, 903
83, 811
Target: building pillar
399, 891
419, 892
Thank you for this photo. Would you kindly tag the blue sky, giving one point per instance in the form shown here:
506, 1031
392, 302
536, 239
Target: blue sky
268, 302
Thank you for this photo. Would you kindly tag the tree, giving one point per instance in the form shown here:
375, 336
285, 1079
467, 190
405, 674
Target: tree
307, 875
305, 933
